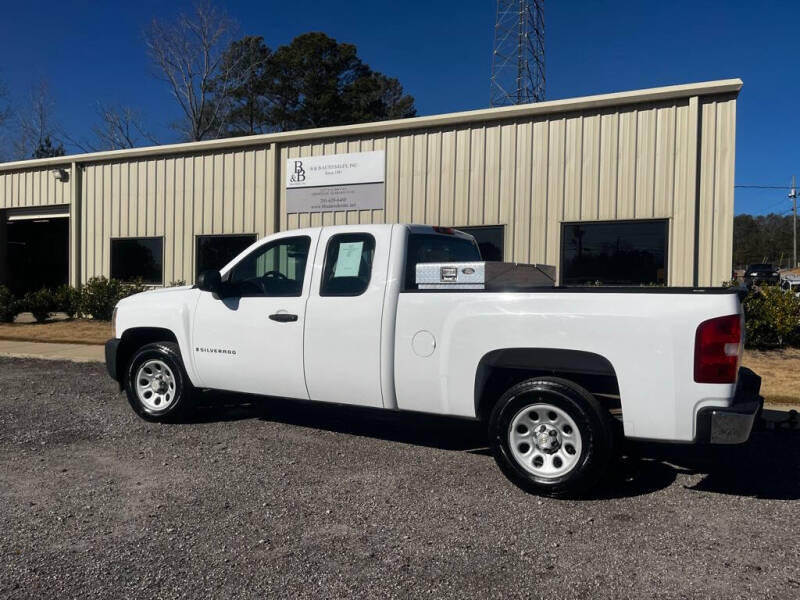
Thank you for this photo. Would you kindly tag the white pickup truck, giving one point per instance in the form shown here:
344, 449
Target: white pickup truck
335, 314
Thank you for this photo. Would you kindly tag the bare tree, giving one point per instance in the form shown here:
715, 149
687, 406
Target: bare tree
36, 124
5, 105
120, 127
5, 121
188, 53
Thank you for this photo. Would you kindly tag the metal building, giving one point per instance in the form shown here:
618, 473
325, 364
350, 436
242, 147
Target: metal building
633, 187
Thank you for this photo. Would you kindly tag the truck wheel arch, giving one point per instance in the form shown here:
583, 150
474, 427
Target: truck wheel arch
133, 339
500, 369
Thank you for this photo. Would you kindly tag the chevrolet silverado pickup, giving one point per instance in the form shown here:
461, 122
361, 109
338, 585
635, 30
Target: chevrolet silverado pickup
338, 314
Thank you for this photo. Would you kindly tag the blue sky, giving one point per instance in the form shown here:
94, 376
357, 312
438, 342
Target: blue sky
440, 50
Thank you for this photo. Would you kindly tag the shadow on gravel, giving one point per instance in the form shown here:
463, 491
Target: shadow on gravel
768, 466
418, 428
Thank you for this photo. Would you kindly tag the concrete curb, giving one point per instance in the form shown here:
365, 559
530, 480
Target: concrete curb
49, 351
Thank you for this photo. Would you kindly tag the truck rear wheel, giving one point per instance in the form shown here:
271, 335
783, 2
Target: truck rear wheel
156, 383
551, 437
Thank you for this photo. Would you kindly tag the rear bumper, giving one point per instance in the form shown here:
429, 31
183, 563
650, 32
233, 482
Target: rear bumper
733, 424
112, 347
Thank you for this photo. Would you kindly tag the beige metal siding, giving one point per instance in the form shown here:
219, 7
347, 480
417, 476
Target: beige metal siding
177, 198
32, 187
715, 242
532, 176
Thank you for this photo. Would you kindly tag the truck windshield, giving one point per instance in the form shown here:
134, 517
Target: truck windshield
435, 247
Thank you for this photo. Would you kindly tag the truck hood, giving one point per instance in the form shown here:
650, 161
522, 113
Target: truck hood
157, 295
166, 308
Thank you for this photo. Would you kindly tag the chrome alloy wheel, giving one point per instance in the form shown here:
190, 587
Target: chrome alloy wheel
155, 385
544, 440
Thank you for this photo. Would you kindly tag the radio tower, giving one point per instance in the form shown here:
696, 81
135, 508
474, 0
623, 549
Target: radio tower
518, 57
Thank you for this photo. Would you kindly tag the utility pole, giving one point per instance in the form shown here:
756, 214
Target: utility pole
793, 196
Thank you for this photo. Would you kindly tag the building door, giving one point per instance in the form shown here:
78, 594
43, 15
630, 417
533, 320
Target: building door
37, 252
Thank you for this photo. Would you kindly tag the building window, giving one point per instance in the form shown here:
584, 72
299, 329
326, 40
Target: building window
138, 258
348, 265
216, 251
614, 253
490, 241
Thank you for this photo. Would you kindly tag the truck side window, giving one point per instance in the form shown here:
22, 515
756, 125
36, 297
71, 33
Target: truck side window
274, 269
436, 247
348, 265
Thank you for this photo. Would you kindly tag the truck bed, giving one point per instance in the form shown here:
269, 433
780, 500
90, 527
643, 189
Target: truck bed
646, 335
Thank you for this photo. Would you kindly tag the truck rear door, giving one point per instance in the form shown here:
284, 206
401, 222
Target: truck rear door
344, 317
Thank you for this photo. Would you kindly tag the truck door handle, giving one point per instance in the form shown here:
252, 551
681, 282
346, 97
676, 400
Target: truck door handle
283, 317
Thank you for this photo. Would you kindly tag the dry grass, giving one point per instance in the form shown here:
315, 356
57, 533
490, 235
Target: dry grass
76, 331
780, 373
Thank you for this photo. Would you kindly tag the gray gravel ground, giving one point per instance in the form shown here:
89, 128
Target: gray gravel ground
276, 500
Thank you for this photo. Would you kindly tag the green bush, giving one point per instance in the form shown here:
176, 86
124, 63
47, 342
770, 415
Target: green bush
68, 300
9, 306
772, 317
41, 303
100, 295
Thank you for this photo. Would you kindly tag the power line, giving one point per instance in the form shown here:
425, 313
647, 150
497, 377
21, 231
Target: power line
776, 204
792, 195
766, 187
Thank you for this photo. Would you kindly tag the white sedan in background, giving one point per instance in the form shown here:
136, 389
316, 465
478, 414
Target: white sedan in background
791, 283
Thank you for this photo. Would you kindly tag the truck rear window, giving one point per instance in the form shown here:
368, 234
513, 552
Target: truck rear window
348, 265
434, 247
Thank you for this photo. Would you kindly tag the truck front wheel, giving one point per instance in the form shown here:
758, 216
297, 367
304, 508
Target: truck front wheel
156, 383
551, 437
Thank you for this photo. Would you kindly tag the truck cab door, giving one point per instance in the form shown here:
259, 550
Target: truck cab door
249, 337
344, 316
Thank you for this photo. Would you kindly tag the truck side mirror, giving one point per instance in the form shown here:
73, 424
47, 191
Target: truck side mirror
210, 281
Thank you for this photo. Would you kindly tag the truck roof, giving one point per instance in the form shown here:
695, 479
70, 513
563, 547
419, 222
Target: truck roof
412, 227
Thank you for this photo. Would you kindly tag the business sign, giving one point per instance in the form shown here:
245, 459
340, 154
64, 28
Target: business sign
334, 182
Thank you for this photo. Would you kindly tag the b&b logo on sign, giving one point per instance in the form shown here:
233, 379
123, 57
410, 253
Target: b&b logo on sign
299, 174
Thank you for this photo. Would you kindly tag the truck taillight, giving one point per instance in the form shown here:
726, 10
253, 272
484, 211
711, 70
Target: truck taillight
717, 348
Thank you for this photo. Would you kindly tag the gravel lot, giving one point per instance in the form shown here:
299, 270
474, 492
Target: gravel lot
281, 500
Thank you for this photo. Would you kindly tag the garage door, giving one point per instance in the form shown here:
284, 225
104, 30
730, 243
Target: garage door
37, 249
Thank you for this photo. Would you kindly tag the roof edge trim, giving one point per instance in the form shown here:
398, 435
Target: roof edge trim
722, 86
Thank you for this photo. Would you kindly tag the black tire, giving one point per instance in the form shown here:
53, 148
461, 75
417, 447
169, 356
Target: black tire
177, 389
596, 436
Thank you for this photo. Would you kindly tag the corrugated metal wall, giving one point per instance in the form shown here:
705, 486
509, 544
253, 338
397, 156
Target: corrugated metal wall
638, 162
32, 187
715, 223
672, 159
178, 197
